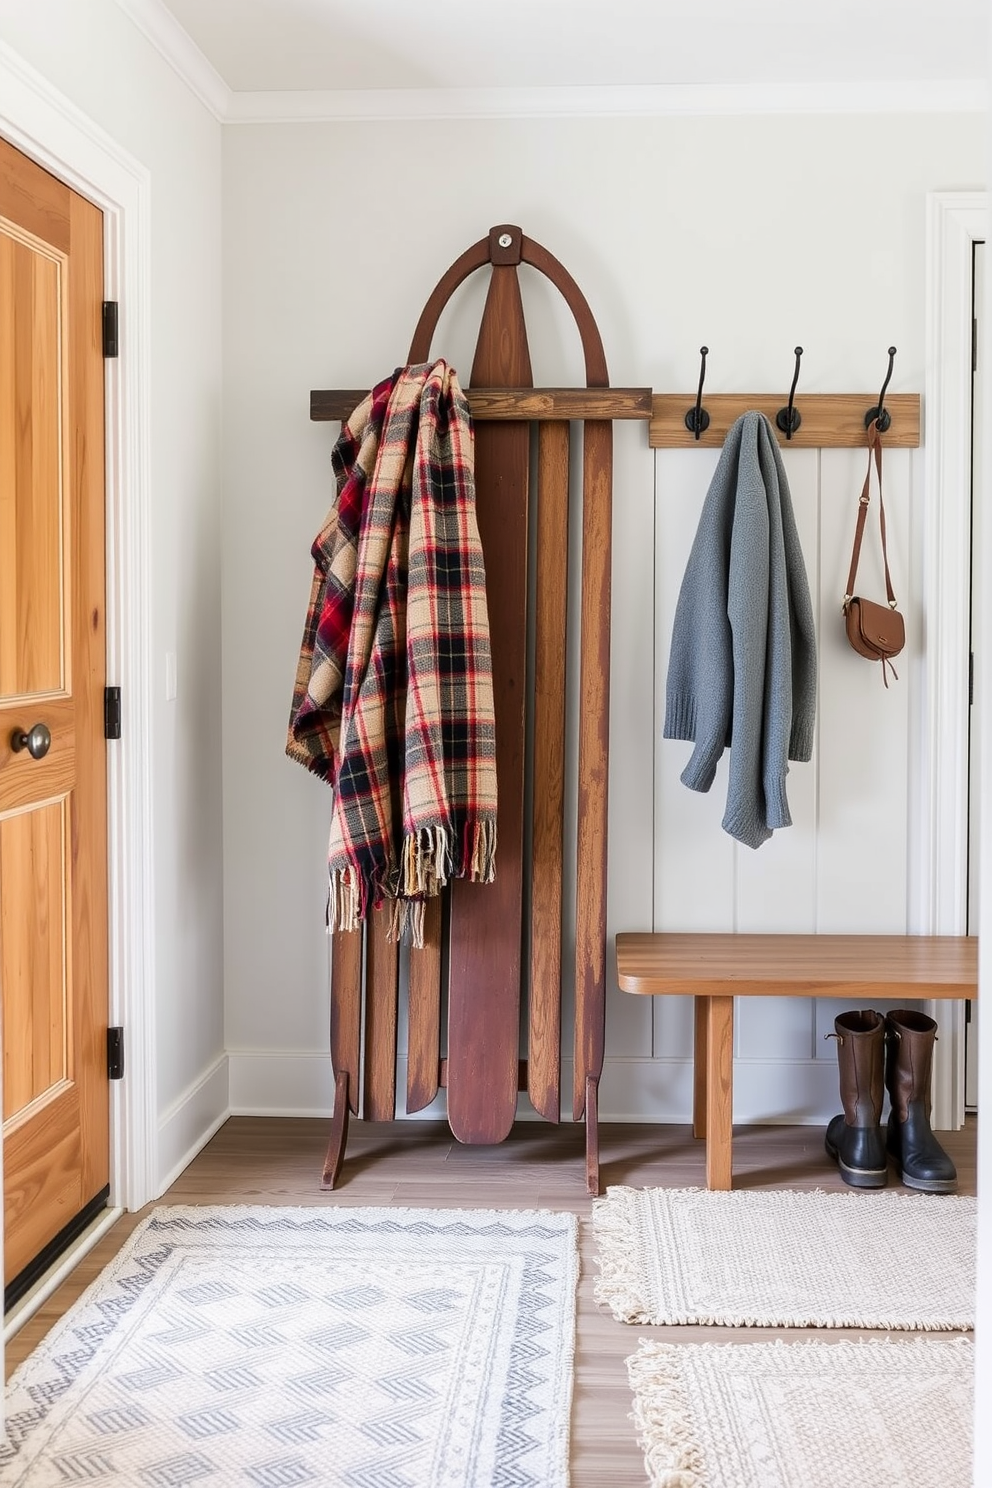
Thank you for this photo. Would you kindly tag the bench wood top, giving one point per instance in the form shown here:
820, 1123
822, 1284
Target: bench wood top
714, 969
884, 966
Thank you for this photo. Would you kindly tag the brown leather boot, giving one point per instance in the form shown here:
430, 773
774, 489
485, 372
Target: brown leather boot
922, 1162
855, 1139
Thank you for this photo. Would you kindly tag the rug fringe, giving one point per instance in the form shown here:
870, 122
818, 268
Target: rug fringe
663, 1418
635, 1227
620, 1239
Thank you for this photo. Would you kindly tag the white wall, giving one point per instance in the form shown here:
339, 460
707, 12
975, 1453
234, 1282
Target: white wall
94, 55
752, 235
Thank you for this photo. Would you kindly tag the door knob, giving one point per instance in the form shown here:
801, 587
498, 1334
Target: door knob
37, 741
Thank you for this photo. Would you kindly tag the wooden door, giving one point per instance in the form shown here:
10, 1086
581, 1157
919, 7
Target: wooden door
53, 832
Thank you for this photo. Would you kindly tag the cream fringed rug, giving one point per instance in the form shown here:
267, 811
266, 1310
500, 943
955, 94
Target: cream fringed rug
786, 1259
271, 1348
805, 1415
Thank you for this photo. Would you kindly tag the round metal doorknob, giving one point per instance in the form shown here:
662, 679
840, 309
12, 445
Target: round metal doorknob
37, 741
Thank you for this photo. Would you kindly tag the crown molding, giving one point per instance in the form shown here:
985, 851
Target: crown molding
357, 105
157, 23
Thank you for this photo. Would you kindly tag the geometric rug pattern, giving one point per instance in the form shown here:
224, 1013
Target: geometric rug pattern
878, 1413
787, 1259
277, 1347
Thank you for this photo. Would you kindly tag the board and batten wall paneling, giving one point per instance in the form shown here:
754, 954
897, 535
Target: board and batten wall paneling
843, 864
837, 263
864, 726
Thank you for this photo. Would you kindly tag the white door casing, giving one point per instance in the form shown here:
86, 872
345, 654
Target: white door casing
956, 220
46, 126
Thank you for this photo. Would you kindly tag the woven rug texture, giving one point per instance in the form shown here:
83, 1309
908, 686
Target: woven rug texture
786, 1259
892, 1413
277, 1347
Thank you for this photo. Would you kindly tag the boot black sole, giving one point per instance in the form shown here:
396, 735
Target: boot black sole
858, 1177
929, 1185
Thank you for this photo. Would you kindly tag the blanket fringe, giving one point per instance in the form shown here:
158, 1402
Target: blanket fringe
481, 860
406, 921
429, 859
344, 903
427, 862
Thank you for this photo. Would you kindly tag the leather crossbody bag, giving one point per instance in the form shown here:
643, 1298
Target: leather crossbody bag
875, 630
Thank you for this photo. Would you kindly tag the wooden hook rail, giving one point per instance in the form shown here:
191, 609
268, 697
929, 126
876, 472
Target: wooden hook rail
516, 403
829, 420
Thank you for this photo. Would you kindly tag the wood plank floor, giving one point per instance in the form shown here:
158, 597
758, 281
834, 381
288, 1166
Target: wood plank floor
258, 1160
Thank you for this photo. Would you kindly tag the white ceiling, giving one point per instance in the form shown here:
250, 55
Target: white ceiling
325, 45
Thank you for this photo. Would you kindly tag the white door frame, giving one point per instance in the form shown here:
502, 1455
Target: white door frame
45, 125
956, 220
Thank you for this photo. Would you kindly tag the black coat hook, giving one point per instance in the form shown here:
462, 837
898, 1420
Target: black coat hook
697, 420
789, 419
878, 414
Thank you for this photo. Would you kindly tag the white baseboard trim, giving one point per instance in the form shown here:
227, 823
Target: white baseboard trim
299, 1083
190, 1122
283, 1082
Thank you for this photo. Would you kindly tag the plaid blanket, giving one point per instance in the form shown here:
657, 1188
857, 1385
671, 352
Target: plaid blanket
393, 700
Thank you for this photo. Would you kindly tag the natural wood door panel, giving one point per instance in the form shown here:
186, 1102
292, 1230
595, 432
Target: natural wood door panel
43, 1188
34, 199
53, 814
33, 967
31, 507
25, 781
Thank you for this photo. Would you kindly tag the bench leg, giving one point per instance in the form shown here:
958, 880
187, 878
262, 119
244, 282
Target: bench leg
701, 1013
719, 1090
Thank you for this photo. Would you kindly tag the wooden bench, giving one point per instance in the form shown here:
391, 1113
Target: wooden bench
714, 969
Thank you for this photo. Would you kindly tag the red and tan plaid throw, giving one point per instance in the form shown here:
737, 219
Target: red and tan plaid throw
393, 703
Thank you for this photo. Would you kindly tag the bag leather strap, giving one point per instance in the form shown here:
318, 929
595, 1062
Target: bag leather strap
874, 448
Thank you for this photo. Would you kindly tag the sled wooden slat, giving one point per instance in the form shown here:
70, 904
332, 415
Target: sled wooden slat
424, 1009
487, 919
381, 973
594, 690
346, 1044
544, 1041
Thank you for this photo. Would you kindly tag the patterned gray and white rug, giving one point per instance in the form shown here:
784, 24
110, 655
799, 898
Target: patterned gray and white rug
786, 1259
277, 1348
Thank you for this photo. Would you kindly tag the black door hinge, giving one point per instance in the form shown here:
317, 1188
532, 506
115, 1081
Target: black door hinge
111, 712
115, 1053
110, 337
971, 678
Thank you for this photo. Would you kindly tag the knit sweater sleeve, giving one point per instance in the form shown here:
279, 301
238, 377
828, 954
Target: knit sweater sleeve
699, 692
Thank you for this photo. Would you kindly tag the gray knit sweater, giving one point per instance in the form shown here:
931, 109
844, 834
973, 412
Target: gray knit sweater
742, 670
